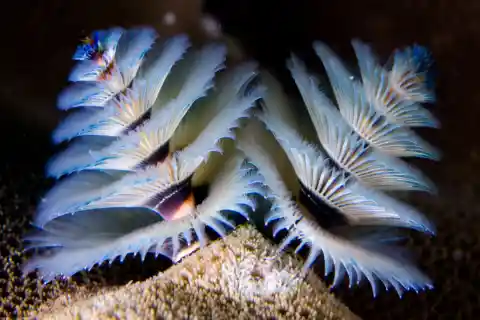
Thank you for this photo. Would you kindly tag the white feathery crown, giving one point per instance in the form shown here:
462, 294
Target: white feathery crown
150, 119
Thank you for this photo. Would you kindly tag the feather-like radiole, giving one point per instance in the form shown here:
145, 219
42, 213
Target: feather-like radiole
228, 86
129, 106
394, 93
153, 126
340, 256
340, 180
409, 74
131, 148
101, 44
348, 149
96, 89
359, 113
359, 203
95, 53
80, 243
146, 182
134, 192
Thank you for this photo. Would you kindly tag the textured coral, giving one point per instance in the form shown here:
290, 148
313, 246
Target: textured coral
239, 277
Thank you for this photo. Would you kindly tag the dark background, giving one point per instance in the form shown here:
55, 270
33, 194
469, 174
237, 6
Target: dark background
38, 39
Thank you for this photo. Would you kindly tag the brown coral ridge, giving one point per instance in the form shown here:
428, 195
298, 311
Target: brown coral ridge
238, 277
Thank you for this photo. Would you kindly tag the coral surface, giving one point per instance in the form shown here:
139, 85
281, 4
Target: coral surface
238, 277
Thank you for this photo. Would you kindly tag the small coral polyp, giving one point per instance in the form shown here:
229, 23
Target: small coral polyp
152, 120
